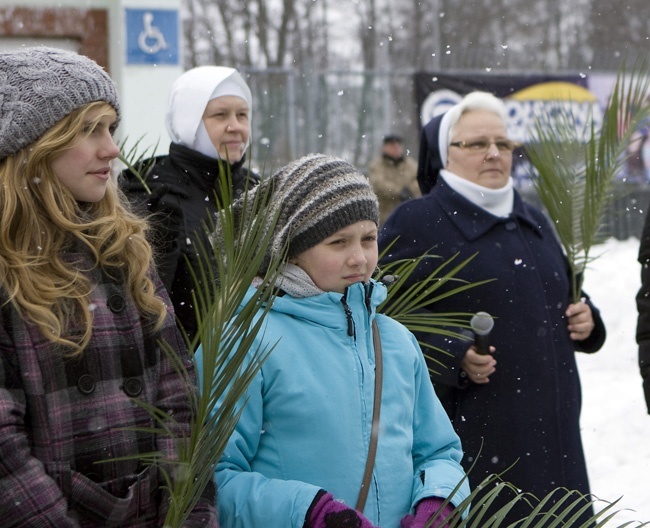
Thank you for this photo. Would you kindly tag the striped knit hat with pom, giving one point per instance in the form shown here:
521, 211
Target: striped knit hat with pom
39, 86
313, 198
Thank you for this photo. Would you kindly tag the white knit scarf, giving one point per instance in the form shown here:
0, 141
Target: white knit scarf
499, 202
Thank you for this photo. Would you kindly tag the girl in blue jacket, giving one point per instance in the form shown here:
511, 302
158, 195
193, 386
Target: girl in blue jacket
298, 454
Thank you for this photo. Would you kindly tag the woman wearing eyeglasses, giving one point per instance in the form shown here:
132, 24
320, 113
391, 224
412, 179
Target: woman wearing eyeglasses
516, 408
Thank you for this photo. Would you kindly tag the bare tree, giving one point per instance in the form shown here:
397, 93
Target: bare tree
509, 35
618, 30
333, 75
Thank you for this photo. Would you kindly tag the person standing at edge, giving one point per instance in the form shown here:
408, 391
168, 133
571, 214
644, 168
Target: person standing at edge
643, 308
520, 405
209, 123
393, 176
82, 313
298, 455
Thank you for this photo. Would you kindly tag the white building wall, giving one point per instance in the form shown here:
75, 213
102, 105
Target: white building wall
144, 87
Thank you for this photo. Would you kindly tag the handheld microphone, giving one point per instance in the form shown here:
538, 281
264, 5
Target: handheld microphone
482, 324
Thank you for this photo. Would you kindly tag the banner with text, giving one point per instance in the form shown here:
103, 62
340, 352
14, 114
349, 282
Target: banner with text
527, 97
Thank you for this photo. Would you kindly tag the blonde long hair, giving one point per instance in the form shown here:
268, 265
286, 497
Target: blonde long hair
40, 220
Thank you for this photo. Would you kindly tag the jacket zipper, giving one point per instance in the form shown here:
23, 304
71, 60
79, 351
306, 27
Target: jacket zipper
368, 288
348, 314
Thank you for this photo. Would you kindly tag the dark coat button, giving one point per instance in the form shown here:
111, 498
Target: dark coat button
116, 303
132, 387
86, 384
511, 226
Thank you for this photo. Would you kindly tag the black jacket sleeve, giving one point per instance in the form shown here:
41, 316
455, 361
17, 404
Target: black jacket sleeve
160, 204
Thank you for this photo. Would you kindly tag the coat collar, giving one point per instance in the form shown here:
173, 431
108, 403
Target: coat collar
327, 309
474, 221
202, 170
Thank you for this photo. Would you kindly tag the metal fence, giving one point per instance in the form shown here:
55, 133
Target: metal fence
347, 114
335, 112
625, 214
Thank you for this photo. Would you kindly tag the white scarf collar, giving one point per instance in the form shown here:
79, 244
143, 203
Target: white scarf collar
498, 202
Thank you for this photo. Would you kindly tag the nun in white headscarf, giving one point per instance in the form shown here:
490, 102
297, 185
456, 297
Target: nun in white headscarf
209, 122
210, 111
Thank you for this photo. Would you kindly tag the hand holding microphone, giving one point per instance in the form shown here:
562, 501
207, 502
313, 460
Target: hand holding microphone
478, 362
482, 324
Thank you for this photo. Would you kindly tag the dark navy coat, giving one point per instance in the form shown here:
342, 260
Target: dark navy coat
529, 411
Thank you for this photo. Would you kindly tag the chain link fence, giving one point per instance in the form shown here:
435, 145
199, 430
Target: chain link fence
340, 113
346, 114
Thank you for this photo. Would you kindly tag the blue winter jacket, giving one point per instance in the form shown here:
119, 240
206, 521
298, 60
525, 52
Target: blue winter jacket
306, 424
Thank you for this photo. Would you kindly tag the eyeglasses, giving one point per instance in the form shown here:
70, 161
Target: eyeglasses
483, 145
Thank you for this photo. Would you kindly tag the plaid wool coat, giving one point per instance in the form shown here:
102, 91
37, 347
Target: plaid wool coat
63, 421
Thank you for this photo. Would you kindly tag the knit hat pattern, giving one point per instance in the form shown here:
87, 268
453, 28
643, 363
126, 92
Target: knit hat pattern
313, 197
39, 86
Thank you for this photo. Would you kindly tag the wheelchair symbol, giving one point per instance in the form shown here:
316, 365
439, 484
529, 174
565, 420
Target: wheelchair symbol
151, 39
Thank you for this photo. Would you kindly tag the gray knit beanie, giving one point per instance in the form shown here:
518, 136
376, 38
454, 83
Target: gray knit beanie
40, 86
313, 198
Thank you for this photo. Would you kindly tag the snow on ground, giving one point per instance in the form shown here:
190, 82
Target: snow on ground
615, 423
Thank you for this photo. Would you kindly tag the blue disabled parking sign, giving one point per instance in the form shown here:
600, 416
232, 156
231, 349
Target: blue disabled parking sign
152, 36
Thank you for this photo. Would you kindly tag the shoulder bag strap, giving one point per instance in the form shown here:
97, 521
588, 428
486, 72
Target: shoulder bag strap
374, 433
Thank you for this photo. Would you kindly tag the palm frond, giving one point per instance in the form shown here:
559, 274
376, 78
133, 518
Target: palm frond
577, 159
229, 322
560, 508
413, 303
139, 161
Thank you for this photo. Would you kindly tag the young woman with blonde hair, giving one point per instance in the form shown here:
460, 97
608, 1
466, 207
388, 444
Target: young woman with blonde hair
83, 312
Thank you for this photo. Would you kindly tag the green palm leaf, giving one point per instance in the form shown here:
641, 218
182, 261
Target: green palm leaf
137, 160
413, 304
228, 324
577, 163
561, 508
